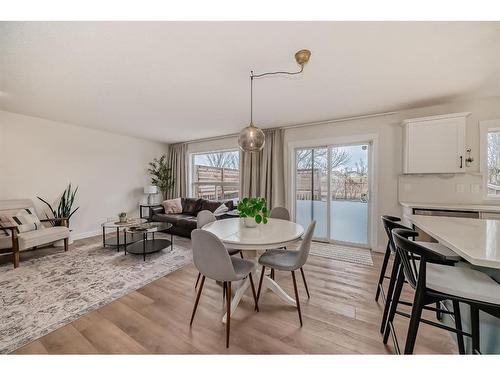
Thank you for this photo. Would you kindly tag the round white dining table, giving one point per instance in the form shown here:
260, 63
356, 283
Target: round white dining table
236, 235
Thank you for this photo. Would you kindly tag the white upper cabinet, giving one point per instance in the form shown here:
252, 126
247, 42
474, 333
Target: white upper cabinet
435, 144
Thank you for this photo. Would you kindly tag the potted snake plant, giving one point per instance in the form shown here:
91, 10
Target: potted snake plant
64, 209
253, 211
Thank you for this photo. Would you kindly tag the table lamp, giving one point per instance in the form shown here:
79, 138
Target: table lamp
150, 190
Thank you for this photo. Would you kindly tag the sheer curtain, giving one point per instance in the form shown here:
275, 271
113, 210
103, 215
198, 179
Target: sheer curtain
263, 173
177, 160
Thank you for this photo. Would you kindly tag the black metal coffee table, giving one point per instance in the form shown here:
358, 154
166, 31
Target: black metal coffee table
118, 239
149, 244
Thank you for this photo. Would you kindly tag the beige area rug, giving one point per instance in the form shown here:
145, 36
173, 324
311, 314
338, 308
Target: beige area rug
341, 253
46, 293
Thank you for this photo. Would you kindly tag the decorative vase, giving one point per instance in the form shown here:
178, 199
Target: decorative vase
123, 217
250, 222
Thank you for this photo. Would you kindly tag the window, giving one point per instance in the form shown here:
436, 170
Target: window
490, 157
215, 175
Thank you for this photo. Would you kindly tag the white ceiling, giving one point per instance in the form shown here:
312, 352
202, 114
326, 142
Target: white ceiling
177, 81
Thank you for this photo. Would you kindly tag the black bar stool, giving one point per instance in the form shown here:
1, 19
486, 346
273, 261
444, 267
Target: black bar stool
387, 256
436, 282
390, 223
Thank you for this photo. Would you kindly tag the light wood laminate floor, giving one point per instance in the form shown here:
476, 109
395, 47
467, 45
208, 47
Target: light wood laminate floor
341, 317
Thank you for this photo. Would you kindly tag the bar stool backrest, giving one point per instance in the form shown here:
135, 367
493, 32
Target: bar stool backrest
409, 252
390, 223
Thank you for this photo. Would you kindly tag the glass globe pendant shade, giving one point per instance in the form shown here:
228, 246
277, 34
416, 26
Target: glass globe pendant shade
251, 139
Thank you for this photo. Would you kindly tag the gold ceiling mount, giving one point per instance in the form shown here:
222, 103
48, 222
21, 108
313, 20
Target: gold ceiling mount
302, 56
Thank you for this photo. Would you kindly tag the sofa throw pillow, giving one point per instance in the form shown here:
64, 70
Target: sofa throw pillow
25, 220
172, 206
221, 209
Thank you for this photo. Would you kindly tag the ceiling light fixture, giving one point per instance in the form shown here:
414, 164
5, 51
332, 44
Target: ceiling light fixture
251, 138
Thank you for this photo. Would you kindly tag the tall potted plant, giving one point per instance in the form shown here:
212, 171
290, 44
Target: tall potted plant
64, 208
161, 175
253, 211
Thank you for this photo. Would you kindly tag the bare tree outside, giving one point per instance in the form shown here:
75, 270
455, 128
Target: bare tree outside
361, 167
339, 158
493, 158
223, 159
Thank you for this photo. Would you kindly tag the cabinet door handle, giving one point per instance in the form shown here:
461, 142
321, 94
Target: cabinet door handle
461, 161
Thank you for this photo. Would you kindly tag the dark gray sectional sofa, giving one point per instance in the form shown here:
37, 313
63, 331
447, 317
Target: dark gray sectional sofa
185, 222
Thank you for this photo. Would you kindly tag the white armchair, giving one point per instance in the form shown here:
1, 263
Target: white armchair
10, 238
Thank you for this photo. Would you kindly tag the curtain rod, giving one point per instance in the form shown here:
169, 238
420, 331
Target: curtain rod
323, 122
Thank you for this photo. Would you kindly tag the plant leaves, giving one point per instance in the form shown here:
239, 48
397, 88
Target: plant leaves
258, 219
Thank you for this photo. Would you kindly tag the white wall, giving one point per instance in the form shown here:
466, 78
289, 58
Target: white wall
40, 157
433, 188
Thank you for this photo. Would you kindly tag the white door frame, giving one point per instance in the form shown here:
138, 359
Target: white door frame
372, 139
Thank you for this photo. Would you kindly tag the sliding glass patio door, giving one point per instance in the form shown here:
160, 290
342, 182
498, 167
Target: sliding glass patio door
312, 189
332, 187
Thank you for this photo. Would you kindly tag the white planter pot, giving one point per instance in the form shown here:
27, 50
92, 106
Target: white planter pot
250, 222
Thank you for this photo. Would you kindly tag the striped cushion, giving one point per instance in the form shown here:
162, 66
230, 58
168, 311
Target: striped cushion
25, 220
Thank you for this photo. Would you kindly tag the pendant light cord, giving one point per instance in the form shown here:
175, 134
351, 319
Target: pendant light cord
251, 97
278, 72
252, 76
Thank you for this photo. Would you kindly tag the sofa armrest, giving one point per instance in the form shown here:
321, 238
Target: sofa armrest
153, 210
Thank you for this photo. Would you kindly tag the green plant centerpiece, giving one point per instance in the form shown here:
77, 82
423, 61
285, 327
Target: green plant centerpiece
161, 175
254, 211
64, 208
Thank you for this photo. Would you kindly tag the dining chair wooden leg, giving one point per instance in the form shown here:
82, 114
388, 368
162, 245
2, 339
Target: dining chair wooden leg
393, 302
297, 296
381, 277
305, 282
197, 299
272, 273
223, 293
66, 240
458, 326
241, 254
253, 292
197, 280
474, 316
260, 282
228, 312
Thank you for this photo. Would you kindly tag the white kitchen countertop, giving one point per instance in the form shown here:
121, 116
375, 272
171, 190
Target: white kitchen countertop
453, 206
475, 240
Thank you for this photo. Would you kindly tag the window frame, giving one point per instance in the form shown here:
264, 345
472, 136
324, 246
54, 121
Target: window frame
485, 127
217, 184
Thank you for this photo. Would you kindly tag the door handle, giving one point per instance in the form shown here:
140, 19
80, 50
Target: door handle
461, 161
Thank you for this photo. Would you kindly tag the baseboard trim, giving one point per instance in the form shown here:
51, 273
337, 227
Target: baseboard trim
378, 249
79, 236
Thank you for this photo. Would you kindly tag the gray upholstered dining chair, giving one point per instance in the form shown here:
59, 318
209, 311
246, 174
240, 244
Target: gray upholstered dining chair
280, 213
212, 259
289, 260
205, 217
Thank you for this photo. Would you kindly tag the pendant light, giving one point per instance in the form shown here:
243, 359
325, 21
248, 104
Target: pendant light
251, 138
